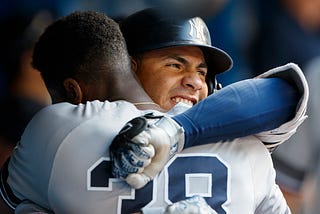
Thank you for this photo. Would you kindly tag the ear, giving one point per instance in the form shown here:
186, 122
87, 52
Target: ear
73, 91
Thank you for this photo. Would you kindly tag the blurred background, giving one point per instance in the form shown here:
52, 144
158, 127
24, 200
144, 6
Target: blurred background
258, 35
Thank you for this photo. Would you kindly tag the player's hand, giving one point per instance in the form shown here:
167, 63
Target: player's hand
132, 151
193, 205
129, 155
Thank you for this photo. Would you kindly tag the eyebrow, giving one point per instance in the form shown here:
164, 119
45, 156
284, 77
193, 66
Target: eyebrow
184, 61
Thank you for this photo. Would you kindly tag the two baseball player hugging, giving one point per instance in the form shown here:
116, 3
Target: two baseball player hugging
207, 154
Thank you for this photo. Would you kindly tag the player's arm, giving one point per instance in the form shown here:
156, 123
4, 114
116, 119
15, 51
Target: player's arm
292, 74
275, 101
230, 113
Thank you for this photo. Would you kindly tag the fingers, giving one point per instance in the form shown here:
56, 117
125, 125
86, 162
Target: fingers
132, 160
142, 138
120, 171
142, 153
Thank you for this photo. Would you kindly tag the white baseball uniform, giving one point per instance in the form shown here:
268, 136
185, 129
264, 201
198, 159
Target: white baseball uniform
64, 167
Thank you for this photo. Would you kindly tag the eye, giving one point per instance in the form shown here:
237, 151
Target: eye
202, 73
174, 65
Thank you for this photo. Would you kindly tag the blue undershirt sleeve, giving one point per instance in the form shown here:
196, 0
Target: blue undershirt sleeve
244, 108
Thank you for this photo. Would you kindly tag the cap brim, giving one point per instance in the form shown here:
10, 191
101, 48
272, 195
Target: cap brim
216, 59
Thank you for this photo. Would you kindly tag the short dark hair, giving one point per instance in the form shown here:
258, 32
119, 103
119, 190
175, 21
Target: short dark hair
81, 45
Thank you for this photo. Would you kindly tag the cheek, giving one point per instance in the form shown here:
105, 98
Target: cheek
156, 87
155, 82
204, 92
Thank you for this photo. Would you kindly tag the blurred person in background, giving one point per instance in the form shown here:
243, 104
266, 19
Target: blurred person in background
289, 30
298, 161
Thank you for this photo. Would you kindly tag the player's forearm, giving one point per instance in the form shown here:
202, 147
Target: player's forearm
240, 109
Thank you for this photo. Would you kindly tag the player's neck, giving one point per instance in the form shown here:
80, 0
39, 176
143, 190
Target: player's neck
133, 92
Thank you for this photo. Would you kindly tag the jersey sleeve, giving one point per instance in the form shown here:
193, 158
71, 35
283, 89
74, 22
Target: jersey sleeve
240, 109
292, 74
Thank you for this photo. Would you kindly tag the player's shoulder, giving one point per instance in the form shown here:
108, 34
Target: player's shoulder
67, 116
71, 111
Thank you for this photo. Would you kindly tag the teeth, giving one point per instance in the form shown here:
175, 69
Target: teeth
179, 99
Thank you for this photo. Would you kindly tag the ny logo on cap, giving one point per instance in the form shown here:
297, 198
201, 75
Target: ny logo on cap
199, 30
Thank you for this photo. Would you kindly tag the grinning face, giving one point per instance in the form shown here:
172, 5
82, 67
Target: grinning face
172, 75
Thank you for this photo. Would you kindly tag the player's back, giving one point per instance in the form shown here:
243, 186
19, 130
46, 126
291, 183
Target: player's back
62, 162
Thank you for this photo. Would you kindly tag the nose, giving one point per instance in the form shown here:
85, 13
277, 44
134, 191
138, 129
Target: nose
193, 81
